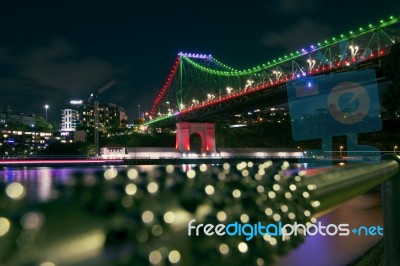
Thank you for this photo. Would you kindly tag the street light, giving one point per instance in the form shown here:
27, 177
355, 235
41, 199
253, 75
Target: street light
277, 74
298, 147
248, 84
394, 149
354, 50
139, 109
210, 97
311, 64
341, 147
195, 102
46, 107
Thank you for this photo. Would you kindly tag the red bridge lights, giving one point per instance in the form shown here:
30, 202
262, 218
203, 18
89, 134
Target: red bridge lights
209, 71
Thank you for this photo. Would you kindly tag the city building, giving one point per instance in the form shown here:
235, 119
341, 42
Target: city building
8, 116
78, 113
270, 115
112, 115
18, 142
113, 150
275, 115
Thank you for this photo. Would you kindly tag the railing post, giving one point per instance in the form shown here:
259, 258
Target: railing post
391, 216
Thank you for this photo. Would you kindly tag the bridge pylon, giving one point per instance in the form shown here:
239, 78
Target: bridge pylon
206, 131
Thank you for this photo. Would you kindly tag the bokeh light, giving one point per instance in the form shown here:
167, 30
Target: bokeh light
131, 189
4, 226
174, 256
15, 191
132, 173
110, 173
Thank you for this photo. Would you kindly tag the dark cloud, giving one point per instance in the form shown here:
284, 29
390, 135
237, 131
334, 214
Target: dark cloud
18, 86
60, 66
52, 73
5, 56
66, 52
302, 33
70, 75
296, 6
21, 94
54, 50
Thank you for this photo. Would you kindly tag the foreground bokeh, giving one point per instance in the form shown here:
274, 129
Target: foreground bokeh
140, 215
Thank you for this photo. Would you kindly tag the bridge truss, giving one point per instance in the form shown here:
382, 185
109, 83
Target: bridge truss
199, 81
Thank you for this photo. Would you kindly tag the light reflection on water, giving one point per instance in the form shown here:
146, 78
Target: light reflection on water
364, 210
317, 250
41, 181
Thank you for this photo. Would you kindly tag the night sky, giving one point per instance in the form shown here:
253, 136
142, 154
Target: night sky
55, 51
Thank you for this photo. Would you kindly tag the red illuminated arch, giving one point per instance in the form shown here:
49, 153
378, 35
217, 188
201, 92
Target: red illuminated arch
206, 131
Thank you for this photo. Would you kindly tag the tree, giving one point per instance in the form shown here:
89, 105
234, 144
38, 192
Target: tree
16, 126
54, 125
42, 125
77, 149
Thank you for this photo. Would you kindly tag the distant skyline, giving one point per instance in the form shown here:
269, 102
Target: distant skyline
52, 52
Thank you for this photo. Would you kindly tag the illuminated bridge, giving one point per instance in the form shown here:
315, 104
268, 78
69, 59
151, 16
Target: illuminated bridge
201, 88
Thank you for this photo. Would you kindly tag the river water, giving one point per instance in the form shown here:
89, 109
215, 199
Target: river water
364, 210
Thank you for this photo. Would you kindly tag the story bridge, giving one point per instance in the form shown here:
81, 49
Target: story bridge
201, 88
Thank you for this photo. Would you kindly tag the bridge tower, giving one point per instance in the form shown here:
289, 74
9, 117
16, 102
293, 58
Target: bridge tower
206, 131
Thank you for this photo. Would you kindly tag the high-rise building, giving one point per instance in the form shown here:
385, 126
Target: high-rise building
112, 115
79, 113
76, 113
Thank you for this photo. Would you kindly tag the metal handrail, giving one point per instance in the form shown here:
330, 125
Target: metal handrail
333, 187
330, 188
